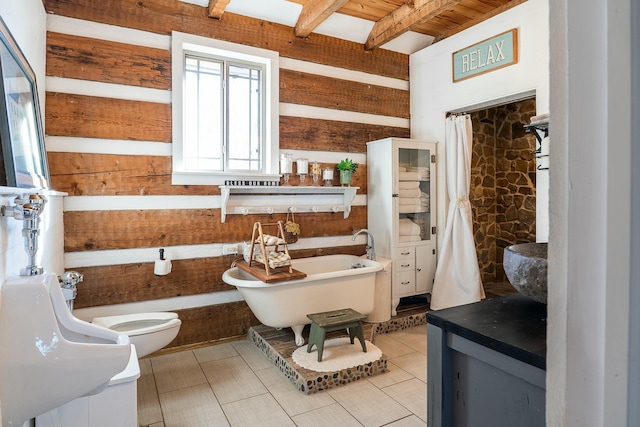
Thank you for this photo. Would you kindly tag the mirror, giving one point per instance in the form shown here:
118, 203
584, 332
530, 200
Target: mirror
23, 162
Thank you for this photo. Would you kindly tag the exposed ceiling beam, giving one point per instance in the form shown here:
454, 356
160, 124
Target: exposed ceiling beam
216, 8
313, 13
498, 10
398, 22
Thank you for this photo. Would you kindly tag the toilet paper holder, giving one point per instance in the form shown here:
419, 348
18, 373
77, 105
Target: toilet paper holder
162, 267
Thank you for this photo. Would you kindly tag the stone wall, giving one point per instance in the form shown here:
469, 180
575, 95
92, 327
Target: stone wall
503, 183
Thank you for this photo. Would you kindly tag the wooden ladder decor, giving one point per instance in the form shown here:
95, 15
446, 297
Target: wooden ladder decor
258, 235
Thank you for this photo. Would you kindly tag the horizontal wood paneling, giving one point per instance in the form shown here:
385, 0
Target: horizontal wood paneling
214, 322
87, 174
106, 118
163, 16
299, 133
319, 91
94, 117
100, 230
84, 58
117, 284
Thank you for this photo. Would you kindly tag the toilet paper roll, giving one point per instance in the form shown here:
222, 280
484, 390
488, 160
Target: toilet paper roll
544, 146
162, 267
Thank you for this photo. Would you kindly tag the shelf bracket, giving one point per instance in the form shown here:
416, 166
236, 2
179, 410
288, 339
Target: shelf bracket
534, 128
349, 195
225, 191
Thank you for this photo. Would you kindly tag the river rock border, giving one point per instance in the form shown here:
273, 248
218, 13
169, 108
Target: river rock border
305, 380
400, 323
279, 345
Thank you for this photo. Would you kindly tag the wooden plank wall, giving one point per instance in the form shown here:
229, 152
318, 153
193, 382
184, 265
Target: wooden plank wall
108, 126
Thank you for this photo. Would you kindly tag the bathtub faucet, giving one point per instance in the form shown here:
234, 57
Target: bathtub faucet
371, 249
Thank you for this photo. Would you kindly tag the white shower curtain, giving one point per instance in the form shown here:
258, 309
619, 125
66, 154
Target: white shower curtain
457, 279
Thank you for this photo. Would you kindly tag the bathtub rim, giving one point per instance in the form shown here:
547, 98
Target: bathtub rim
240, 279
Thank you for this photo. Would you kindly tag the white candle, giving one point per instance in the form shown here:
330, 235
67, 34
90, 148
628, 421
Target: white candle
286, 163
303, 166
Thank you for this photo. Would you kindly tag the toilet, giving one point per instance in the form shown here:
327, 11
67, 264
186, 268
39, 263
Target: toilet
149, 332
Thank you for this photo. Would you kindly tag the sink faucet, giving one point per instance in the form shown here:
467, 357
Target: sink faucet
371, 249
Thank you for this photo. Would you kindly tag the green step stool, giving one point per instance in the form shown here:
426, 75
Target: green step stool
329, 321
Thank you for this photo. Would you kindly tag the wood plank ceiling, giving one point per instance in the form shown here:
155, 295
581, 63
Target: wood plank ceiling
437, 18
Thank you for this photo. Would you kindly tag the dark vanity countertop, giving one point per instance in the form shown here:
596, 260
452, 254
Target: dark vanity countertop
513, 325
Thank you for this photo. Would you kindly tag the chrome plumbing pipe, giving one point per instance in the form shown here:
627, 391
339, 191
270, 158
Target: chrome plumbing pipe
69, 284
28, 210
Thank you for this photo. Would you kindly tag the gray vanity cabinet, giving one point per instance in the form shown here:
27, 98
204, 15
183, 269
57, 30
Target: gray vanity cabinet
486, 364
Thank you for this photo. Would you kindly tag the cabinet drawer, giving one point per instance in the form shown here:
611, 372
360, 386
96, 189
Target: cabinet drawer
404, 264
405, 283
409, 252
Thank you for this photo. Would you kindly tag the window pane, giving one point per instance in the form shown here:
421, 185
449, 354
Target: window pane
203, 119
244, 118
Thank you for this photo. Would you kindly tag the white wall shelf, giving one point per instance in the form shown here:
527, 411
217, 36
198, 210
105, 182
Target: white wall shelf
236, 200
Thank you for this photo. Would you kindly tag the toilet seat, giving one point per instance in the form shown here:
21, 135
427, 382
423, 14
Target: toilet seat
149, 332
139, 323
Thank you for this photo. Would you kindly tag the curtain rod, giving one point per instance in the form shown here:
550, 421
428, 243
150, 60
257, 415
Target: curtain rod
493, 103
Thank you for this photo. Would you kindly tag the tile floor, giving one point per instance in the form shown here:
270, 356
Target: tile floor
233, 384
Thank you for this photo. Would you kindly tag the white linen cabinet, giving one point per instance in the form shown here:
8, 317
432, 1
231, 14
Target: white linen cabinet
401, 211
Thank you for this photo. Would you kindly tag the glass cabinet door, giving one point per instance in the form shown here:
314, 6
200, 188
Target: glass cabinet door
413, 194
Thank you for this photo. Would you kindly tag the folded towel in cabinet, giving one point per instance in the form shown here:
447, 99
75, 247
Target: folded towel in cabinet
409, 201
410, 193
406, 209
408, 185
424, 173
409, 176
407, 227
403, 239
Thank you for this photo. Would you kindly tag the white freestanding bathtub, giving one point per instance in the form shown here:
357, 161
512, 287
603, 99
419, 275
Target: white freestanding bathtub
333, 282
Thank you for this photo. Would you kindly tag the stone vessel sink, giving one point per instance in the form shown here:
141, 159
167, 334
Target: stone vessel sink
526, 268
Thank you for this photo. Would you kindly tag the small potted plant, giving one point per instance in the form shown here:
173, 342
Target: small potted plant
347, 168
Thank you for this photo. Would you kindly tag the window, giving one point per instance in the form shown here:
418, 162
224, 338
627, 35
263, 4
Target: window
225, 111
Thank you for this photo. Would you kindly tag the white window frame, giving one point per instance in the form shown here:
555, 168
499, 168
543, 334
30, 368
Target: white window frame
182, 43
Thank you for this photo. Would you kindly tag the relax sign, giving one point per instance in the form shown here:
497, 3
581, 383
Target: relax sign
487, 55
